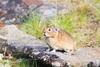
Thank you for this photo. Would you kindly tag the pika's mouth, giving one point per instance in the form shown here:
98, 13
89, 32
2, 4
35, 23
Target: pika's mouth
46, 35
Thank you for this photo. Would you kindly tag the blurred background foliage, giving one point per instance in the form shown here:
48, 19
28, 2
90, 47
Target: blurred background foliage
82, 21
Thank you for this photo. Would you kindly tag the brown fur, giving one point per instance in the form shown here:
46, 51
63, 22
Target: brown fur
59, 39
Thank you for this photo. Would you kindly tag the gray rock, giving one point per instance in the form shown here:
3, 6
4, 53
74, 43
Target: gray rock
14, 9
50, 13
82, 57
18, 38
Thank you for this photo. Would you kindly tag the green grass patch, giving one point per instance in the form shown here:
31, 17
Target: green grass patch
32, 25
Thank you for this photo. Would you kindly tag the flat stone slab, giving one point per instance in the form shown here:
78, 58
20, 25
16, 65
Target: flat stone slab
18, 38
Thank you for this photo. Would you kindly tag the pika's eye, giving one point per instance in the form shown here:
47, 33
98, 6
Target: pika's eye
49, 29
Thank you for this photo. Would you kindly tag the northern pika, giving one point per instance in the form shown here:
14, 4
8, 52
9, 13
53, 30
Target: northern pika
59, 39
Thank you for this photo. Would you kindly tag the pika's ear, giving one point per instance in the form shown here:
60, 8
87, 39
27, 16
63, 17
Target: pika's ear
56, 29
